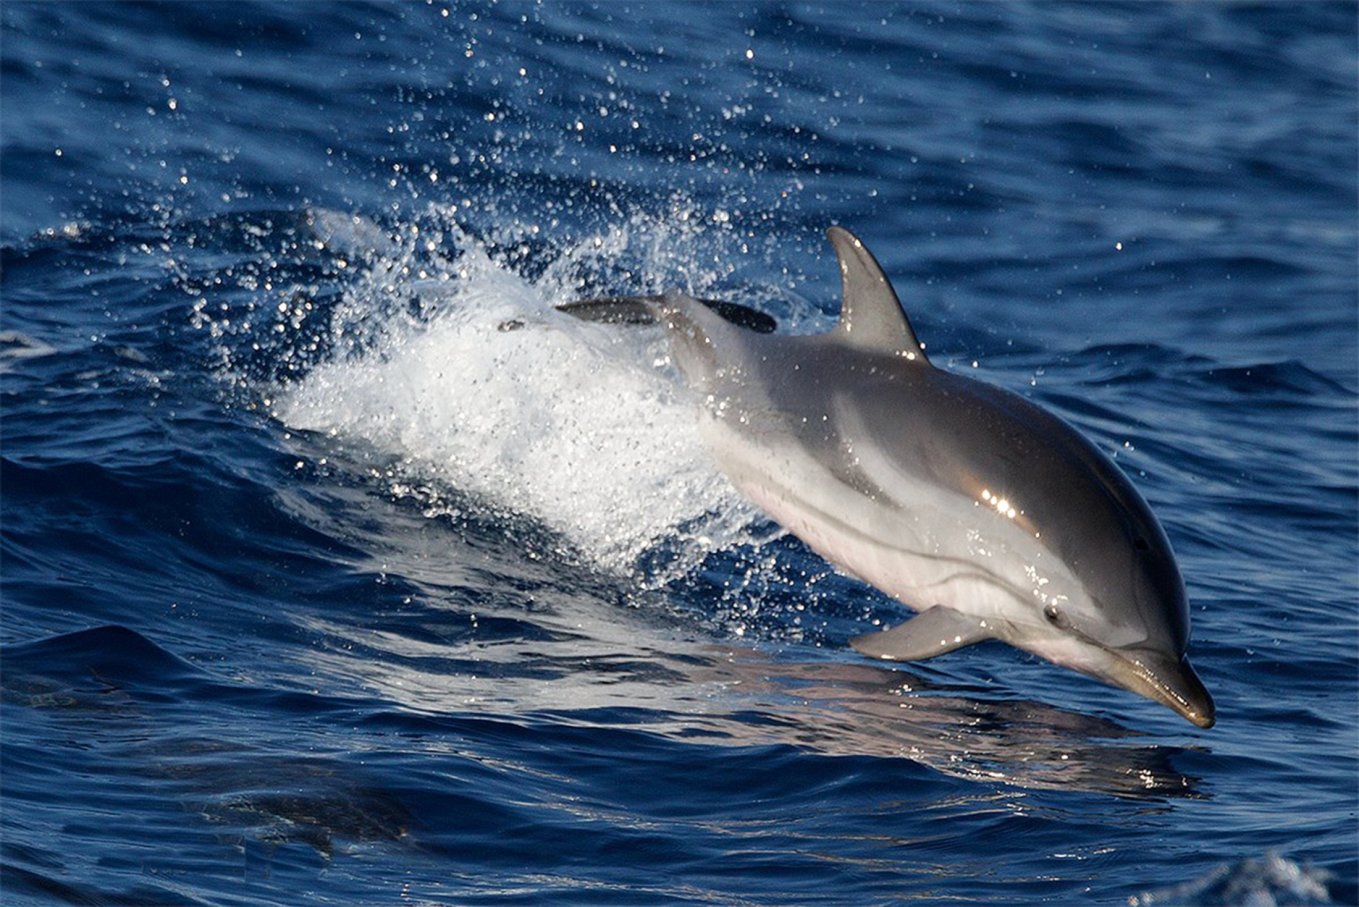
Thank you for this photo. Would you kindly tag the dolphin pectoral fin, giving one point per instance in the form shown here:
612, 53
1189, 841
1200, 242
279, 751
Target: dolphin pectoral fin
641, 310
931, 632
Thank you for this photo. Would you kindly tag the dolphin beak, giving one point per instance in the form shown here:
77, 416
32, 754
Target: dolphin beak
1164, 679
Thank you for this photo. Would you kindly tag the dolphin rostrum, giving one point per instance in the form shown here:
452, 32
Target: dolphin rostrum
988, 515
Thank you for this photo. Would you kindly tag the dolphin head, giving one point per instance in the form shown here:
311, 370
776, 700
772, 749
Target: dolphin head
1120, 612
1063, 557
1132, 637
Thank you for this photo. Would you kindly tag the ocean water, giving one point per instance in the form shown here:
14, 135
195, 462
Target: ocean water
321, 588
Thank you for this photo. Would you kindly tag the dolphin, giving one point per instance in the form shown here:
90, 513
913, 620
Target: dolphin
972, 505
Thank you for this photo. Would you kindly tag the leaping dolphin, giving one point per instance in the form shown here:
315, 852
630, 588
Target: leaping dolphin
988, 515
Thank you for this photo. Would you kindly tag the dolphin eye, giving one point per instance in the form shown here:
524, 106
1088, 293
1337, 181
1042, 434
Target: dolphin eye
1141, 544
1054, 616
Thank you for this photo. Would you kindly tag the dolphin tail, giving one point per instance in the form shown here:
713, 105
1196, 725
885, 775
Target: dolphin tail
642, 310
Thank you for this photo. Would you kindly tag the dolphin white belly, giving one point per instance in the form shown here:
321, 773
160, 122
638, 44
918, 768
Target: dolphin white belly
929, 552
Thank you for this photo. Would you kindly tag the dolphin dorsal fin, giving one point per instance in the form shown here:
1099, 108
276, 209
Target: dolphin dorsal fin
871, 316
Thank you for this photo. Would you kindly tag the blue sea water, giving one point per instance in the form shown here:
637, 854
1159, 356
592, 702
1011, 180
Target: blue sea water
320, 588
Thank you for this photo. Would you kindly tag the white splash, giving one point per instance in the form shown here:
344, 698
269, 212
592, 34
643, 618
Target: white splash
583, 427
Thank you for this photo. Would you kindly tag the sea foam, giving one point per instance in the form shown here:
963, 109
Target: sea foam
495, 394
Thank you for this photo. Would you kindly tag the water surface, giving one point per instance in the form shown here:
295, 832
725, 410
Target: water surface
318, 587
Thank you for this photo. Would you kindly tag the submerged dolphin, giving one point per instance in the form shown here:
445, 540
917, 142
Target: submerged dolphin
974, 506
